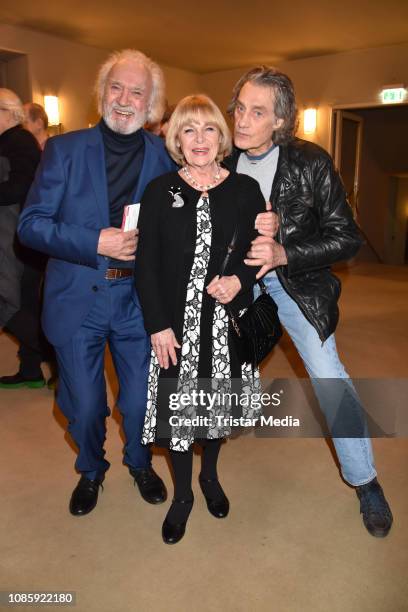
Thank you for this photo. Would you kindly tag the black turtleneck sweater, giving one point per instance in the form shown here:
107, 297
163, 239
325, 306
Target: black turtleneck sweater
123, 159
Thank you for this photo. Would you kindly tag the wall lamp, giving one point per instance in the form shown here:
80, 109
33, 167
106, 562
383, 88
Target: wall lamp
309, 120
52, 109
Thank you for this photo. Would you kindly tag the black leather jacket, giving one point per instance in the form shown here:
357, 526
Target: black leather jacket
316, 227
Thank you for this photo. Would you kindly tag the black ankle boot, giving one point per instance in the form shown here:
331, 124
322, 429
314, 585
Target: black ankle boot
377, 515
173, 532
217, 501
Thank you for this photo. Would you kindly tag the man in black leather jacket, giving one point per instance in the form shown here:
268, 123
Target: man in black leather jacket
310, 228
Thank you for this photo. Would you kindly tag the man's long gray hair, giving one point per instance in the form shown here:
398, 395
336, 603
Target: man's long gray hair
285, 102
156, 104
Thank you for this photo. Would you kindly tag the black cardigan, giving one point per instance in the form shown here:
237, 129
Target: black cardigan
167, 242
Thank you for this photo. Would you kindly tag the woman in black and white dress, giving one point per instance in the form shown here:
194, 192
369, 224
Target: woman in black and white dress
187, 220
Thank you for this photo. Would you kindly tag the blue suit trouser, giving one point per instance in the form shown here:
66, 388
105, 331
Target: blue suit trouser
115, 320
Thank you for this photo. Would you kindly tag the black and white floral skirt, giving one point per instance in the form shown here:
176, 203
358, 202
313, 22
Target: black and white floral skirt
194, 406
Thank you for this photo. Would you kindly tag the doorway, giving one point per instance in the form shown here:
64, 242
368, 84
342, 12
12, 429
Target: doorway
369, 148
14, 73
348, 137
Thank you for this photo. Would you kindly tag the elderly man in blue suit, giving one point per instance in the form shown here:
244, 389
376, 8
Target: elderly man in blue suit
74, 214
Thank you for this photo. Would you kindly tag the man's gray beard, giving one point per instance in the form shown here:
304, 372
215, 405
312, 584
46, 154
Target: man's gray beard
119, 128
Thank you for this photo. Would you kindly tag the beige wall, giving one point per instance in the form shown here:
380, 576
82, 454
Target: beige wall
67, 69
180, 83
59, 67
345, 78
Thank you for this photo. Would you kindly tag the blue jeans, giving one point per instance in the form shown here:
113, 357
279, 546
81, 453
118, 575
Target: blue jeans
322, 362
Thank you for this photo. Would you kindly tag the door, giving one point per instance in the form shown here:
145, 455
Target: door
347, 142
14, 73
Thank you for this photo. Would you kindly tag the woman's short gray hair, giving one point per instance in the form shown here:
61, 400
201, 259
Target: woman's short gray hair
285, 102
12, 102
157, 100
187, 111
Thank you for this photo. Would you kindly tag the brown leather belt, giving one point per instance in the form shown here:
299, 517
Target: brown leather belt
113, 273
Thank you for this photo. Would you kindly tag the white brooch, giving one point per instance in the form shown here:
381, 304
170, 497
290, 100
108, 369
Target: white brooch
178, 201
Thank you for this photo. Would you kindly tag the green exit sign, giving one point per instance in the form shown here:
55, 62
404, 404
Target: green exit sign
393, 95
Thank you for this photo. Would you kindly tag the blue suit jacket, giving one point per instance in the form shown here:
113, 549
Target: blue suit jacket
66, 208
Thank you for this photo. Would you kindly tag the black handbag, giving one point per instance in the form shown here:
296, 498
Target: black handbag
258, 329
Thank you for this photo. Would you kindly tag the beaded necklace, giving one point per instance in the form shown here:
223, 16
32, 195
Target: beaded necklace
200, 187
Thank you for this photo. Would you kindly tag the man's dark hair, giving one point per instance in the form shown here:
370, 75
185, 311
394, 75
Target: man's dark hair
36, 111
285, 102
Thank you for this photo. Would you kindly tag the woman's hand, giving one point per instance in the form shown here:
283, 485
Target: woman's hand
267, 223
164, 342
224, 289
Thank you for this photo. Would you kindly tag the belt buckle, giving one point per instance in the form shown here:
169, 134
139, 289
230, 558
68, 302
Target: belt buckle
115, 273
111, 273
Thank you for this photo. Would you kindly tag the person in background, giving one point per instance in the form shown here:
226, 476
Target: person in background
36, 122
164, 124
19, 306
311, 228
160, 128
74, 214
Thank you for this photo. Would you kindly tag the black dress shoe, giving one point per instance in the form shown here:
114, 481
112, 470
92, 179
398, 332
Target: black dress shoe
377, 515
217, 506
16, 381
150, 485
172, 533
84, 496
